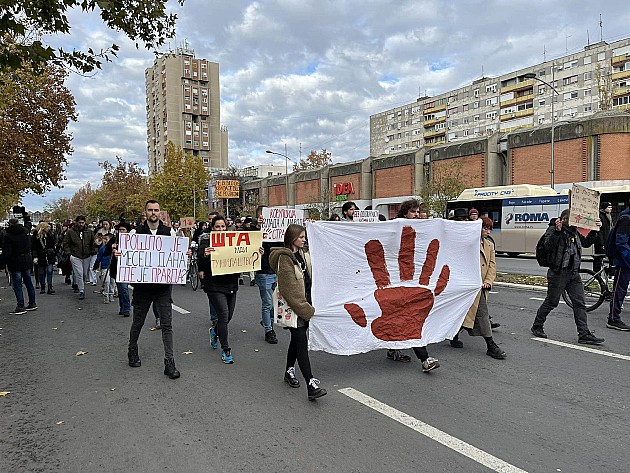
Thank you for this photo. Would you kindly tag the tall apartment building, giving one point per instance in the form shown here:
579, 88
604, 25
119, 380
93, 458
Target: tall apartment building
597, 78
183, 106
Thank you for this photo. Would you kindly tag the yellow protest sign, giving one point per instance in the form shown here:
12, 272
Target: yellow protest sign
227, 189
235, 252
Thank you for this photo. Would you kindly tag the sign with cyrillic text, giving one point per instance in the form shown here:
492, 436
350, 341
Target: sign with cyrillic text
584, 205
153, 259
227, 189
235, 252
276, 221
364, 216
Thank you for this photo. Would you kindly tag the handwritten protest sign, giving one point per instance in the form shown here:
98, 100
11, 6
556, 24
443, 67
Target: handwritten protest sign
152, 259
584, 206
364, 216
235, 252
227, 189
186, 222
276, 221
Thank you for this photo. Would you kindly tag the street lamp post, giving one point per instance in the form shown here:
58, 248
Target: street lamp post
286, 169
531, 75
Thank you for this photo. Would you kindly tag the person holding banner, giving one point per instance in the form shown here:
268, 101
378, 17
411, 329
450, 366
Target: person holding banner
145, 294
124, 301
347, 211
292, 265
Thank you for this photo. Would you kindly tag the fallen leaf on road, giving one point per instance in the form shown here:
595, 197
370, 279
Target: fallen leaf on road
113, 389
256, 349
152, 329
244, 331
81, 353
187, 353
54, 328
4, 393
60, 422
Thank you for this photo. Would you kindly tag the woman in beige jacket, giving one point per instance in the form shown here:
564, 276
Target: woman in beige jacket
477, 321
292, 264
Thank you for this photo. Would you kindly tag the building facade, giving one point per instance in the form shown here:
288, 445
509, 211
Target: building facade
595, 79
183, 106
261, 171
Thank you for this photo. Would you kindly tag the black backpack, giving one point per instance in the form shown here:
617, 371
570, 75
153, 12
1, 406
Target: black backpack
610, 246
541, 252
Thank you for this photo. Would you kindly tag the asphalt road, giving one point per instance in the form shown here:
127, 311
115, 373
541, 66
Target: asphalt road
527, 264
547, 408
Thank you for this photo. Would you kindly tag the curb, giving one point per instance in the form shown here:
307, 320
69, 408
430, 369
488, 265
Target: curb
521, 286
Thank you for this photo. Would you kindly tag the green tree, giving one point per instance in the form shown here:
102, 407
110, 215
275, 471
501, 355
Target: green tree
59, 210
446, 182
314, 160
35, 110
25, 23
123, 189
182, 184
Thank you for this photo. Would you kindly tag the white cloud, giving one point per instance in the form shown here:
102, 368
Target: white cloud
310, 73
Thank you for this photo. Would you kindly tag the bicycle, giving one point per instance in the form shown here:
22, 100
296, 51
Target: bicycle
193, 270
597, 286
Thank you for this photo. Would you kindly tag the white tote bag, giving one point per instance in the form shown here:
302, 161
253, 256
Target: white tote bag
284, 316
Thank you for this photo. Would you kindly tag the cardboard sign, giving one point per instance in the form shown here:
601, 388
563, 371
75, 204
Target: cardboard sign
166, 220
365, 216
227, 189
152, 259
186, 222
276, 221
584, 205
235, 252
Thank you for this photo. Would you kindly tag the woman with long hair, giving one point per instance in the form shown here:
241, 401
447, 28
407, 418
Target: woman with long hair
44, 253
293, 266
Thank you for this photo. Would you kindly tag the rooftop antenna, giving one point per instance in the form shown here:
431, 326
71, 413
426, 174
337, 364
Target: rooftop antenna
588, 38
566, 43
601, 28
482, 71
544, 53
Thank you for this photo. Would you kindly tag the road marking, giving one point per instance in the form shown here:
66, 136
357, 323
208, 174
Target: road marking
493, 292
542, 299
582, 348
180, 310
461, 447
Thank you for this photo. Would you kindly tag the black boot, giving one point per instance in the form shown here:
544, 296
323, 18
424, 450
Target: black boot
169, 368
50, 290
43, 289
314, 391
495, 352
134, 359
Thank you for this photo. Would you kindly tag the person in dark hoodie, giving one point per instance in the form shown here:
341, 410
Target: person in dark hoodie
124, 301
621, 261
16, 252
605, 215
563, 245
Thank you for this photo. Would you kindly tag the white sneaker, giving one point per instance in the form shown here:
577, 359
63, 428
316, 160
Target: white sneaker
106, 300
430, 364
111, 298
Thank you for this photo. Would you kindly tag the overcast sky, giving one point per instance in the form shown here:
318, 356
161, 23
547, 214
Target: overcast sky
310, 73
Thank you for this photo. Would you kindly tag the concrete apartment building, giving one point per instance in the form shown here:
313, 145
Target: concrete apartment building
597, 78
261, 171
183, 106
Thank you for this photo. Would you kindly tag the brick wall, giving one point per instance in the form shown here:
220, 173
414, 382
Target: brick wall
614, 156
393, 182
473, 169
277, 196
532, 164
354, 179
307, 192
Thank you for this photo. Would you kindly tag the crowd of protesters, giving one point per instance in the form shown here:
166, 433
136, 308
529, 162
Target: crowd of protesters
86, 253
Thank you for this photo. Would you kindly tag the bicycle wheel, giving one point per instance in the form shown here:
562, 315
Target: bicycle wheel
594, 290
194, 276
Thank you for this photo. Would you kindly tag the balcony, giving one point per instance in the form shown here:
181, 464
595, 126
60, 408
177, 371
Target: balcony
517, 100
620, 91
429, 123
437, 108
511, 116
526, 84
616, 60
431, 134
621, 75
622, 107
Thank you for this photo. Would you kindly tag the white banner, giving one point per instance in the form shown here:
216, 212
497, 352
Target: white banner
397, 284
276, 221
364, 216
152, 259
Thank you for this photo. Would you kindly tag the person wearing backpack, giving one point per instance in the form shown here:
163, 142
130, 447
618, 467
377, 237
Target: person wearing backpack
620, 254
563, 249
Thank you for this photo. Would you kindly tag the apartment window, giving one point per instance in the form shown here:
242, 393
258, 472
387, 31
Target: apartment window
491, 89
587, 60
588, 108
476, 104
491, 101
476, 93
440, 126
541, 120
465, 107
541, 90
542, 72
541, 103
570, 96
601, 56
570, 64
465, 121
570, 80
587, 92
491, 115
476, 118
588, 75
452, 111
465, 132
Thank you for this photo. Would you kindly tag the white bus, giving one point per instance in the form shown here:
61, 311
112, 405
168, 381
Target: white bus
521, 213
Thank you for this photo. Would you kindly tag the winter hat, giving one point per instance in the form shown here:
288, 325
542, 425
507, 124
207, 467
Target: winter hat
473, 212
604, 205
460, 213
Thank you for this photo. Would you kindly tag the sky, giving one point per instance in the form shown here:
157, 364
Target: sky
309, 74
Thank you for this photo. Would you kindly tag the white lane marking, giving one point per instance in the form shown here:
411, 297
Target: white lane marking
542, 299
431, 432
179, 309
582, 348
493, 292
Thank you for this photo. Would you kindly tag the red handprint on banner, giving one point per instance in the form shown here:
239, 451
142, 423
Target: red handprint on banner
403, 308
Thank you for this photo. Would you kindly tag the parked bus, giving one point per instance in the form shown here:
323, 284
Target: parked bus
521, 213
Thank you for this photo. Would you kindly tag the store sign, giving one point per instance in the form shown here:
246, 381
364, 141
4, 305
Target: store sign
341, 191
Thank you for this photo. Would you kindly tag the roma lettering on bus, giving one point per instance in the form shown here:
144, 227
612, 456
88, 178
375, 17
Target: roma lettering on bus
531, 217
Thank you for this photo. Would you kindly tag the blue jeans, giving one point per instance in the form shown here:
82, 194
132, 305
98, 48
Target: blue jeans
266, 284
16, 280
45, 273
123, 297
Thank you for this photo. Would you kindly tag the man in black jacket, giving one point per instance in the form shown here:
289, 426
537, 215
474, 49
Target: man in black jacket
16, 252
564, 249
605, 215
158, 294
